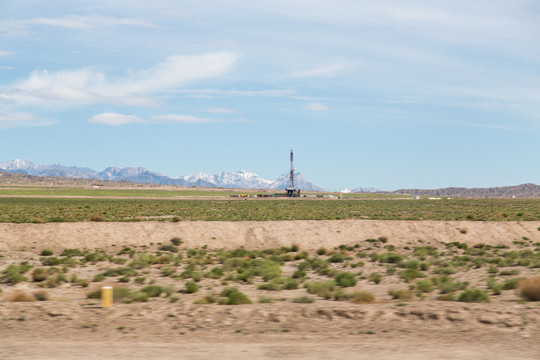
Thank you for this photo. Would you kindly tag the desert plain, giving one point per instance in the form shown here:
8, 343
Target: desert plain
402, 298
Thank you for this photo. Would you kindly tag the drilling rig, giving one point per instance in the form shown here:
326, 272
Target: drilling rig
291, 191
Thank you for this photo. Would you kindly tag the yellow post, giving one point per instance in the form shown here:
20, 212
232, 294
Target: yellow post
106, 296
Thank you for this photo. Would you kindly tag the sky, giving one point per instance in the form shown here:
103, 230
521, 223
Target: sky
384, 94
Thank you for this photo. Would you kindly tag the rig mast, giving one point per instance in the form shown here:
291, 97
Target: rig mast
291, 191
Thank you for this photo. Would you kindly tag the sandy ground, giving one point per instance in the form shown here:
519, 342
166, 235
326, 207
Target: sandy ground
310, 234
71, 328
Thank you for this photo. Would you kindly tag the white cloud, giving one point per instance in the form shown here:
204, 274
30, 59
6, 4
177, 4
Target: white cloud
6, 53
88, 85
221, 111
323, 71
317, 107
21, 119
184, 119
86, 22
115, 119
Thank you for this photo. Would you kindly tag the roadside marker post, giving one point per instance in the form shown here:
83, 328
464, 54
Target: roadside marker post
106, 296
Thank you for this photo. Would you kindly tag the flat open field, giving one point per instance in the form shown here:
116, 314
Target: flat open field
55, 209
308, 279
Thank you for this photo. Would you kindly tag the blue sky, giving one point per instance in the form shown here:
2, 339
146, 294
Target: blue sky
384, 94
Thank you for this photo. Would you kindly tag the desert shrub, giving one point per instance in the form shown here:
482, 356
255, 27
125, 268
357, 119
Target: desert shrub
448, 285
390, 257
266, 300
511, 284
510, 272
191, 287
445, 270
176, 241
13, 274
494, 286
121, 271
94, 294
71, 252
46, 252
142, 261
139, 296
216, 273
411, 274
362, 297
140, 280
169, 248
402, 294
269, 270
493, 269
167, 271
412, 264
121, 293
338, 257
424, 286
233, 296
290, 284
375, 278
41, 295
98, 278
529, 288
422, 251
21, 296
152, 290
273, 286
303, 300
39, 274
82, 282
208, 299
323, 289
473, 295
345, 279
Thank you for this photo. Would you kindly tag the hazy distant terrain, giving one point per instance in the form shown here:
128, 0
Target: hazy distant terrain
524, 190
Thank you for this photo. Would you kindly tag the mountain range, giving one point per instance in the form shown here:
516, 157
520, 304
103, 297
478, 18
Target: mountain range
239, 180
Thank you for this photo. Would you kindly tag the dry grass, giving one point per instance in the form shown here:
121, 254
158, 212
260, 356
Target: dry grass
21, 296
529, 288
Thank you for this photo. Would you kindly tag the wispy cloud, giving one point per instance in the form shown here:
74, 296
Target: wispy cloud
22, 119
317, 107
322, 71
6, 53
221, 111
116, 119
88, 85
86, 22
182, 119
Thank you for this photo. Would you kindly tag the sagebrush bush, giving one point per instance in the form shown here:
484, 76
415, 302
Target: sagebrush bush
40, 274
233, 296
153, 290
402, 294
303, 300
362, 297
345, 279
474, 295
529, 288
191, 287
41, 295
